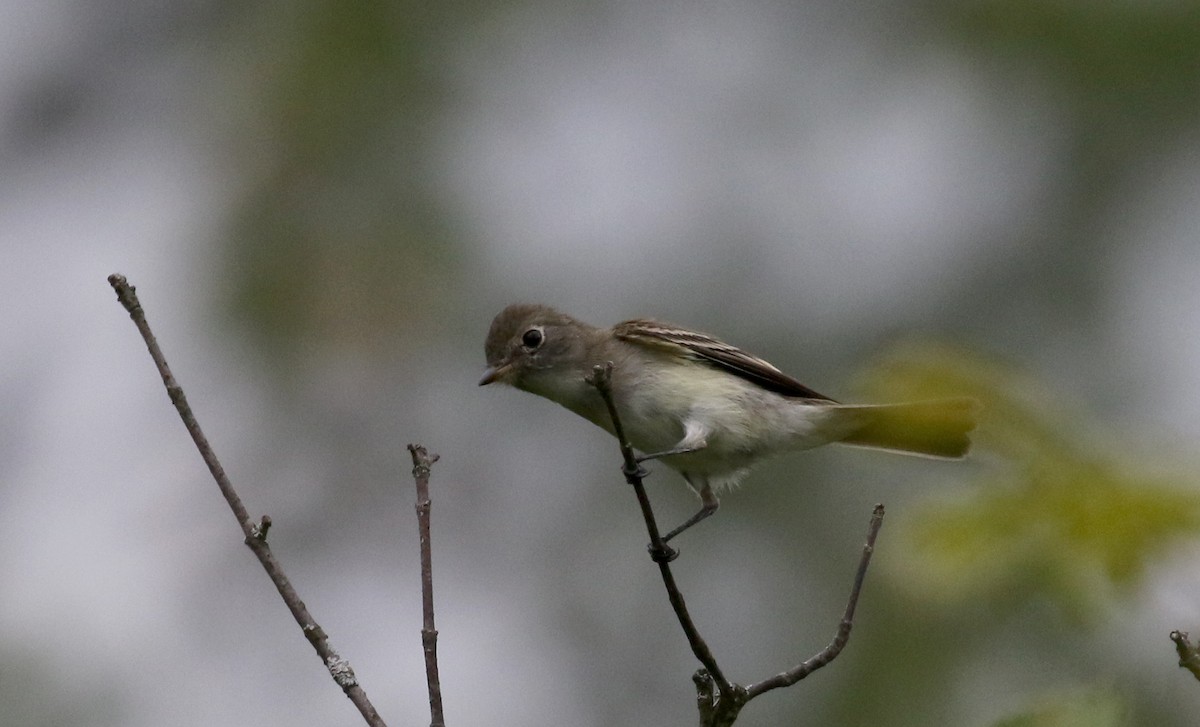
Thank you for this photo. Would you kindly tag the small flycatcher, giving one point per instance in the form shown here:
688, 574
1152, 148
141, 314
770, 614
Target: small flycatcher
705, 408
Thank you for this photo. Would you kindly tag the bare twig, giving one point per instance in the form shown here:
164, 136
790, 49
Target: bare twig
255, 534
422, 461
1189, 654
830, 652
720, 701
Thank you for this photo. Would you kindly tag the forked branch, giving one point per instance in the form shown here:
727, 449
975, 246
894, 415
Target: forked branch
719, 700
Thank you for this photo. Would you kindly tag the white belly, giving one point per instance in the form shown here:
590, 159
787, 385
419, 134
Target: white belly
733, 421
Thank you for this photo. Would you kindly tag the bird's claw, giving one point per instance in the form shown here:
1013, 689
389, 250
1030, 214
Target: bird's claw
637, 472
662, 553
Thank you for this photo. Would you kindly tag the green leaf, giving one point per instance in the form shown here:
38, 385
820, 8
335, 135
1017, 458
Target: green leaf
1058, 514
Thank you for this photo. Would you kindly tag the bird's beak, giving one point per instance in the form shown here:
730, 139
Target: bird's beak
495, 373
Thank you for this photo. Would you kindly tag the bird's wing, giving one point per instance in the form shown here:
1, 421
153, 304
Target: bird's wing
705, 348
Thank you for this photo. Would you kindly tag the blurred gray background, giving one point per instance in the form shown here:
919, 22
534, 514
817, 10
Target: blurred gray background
323, 204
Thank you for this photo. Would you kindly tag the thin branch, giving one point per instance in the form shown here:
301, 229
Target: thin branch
255, 534
422, 462
602, 379
1189, 654
830, 652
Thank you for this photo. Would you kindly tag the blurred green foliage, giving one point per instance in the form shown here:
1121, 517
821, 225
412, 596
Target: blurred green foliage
340, 239
1132, 59
1085, 708
1058, 512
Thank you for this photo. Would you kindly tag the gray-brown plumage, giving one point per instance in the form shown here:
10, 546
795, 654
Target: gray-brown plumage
704, 407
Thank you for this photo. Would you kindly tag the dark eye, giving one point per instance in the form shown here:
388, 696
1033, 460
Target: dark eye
532, 338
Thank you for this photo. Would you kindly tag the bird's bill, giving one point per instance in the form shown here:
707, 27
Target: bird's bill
495, 373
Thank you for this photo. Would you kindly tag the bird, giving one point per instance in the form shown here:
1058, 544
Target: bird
703, 407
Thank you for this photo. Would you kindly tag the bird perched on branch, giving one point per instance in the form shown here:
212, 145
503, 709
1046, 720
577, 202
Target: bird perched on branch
703, 407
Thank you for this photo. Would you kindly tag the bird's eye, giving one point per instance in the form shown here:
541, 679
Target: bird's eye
532, 338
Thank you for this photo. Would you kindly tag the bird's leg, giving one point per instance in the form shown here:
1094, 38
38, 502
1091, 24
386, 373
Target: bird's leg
681, 449
708, 505
695, 438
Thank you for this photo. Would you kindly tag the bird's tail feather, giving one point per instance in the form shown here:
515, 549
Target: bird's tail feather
934, 428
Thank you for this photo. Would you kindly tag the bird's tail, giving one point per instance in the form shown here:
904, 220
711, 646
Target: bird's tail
934, 428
